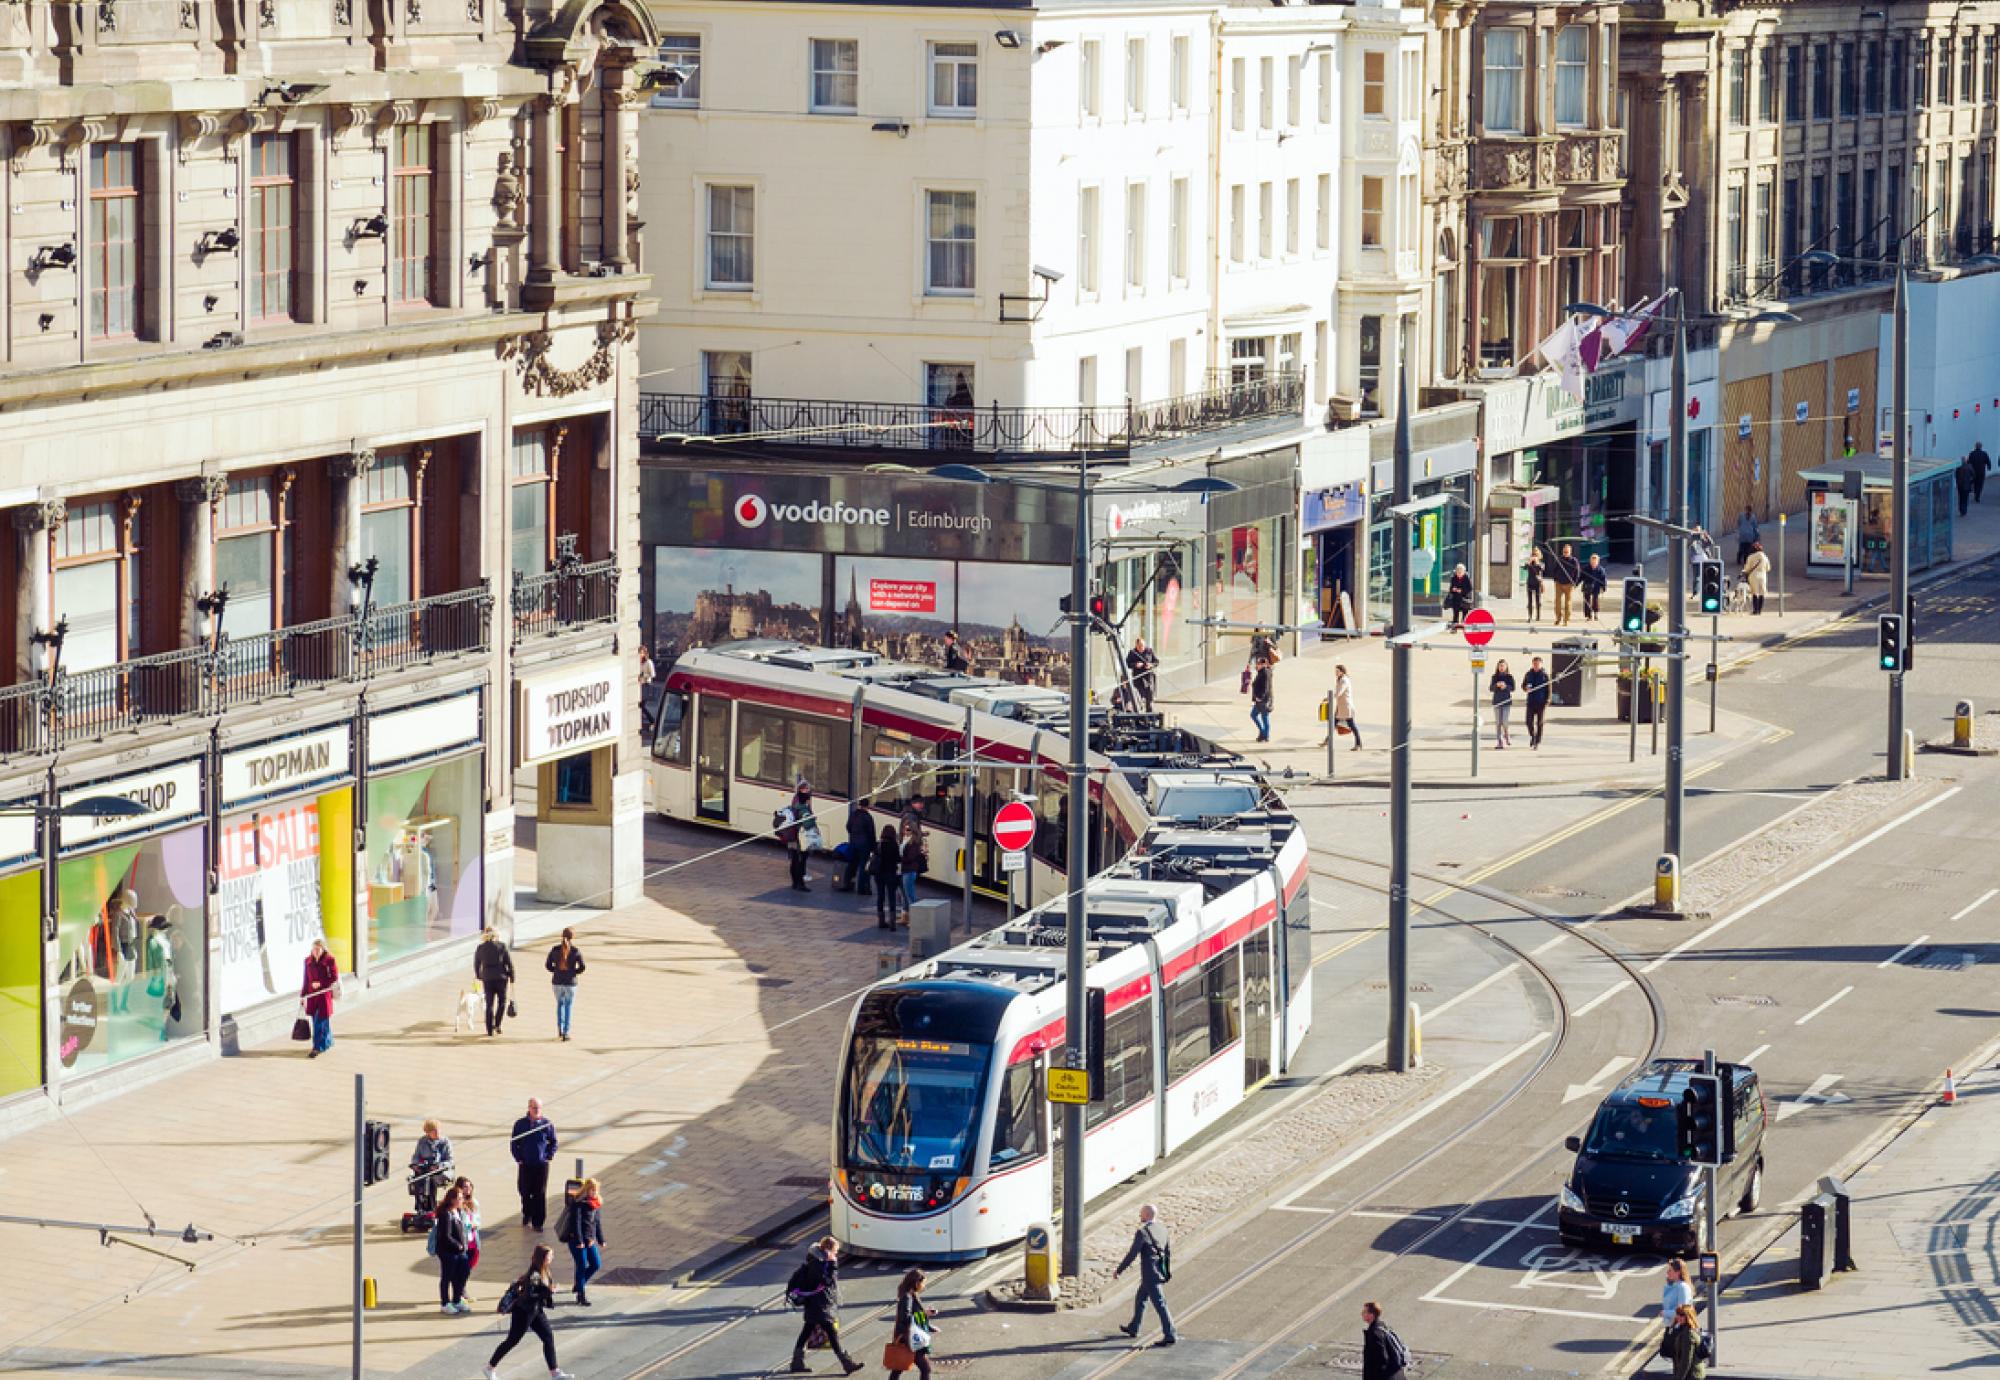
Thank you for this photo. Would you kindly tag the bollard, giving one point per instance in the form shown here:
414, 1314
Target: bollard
1813, 1222
368, 1291
1416, 1036
1909, 753
1961, 726
1038, 1271
1843, 1229
1667, 883
930, 929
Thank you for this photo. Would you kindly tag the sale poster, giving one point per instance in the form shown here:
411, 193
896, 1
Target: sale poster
267, 903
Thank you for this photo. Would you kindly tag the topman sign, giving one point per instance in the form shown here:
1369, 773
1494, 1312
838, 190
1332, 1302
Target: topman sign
568, 711
289, 764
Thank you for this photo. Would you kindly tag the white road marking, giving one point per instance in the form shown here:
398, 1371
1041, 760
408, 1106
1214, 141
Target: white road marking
1977, 904
1598, 1080
1602, 997
1820, 1094
1627, 1318
1775, 892
1823, 1005
1376, 1050
1456, 1275
1443, 1099
1751, 1057
1891, 959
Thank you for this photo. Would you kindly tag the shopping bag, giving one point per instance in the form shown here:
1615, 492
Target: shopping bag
896, 1356
302, 1027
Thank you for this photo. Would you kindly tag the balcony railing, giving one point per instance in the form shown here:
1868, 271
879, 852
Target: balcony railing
670, 417
569, 596
80, 706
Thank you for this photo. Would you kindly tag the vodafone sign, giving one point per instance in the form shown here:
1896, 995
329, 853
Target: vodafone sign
752, 510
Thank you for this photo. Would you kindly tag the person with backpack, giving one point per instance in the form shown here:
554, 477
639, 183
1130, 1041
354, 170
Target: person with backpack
888, 866
860, 846
494, 967
1155, 1254
1383, 1355
451, 1242
814, 1288
581, 1228
1687, 1349
909, 1345
526, 1303
564, 962
794, 823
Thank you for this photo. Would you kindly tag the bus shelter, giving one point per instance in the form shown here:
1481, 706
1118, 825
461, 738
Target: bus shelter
1835, 524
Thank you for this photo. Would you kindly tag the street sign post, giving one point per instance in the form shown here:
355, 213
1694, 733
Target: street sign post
1013, 827
1069, 1085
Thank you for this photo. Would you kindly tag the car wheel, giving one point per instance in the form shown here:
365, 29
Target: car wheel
1753, 1192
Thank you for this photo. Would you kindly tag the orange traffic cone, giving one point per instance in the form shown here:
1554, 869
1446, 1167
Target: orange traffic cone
1950, 1091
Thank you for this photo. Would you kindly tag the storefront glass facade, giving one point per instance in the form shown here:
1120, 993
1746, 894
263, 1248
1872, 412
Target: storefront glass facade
422, 856
20, 982
1439, 539
285, 878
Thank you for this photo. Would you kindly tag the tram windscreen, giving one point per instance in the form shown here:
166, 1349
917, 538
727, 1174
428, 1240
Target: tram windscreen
911, 1105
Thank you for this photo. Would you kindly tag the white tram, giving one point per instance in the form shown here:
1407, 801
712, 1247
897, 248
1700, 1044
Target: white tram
1200, 962
739, 724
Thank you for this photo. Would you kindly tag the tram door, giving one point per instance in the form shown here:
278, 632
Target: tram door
1258, 1008
711, 759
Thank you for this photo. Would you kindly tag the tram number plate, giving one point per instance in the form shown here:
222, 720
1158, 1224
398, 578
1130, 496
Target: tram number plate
1621, 1236
1069, 1085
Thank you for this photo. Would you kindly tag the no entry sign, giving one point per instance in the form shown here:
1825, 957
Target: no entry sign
1014, 826
1478, 627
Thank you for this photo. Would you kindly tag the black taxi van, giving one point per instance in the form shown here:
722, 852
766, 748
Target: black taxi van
1635, 1184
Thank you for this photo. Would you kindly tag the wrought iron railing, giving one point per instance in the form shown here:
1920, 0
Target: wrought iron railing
570, 595
669, 417
79, 706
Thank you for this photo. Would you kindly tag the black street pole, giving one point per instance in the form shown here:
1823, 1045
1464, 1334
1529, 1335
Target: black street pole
1399, 731
1077, 872
1677, 480
1899, 508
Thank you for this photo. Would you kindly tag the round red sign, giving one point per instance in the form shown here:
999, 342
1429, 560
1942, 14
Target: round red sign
1479, 627
1014, 826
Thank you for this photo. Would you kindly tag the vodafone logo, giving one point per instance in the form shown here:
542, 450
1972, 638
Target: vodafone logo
751, 511
1114, 519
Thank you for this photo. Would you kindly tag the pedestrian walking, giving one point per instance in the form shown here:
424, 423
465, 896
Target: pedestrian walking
322, 978
1534, 583
1458, 596
1964, 478
1674, 1294
815, 1288
1981, 463
1747, 533
1383, 1354
797, 831
1502, 687
646, 672
528, 1300
1261, 698
1154, 1251
888, 865
1757, 572
954, 659
564, 962
912, 864
1343, 707
581, 1228
1564, 573
1595, 578
1535, 685
451, 1243
1142, 664
534, 1145
860, 845
1687, 1349
468, 1207
494, 967
910, 1344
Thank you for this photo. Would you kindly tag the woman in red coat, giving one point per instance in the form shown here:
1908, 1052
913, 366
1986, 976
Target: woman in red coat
322, 977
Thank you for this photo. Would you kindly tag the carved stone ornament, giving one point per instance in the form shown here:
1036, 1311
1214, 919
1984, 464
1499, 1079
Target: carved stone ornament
187, 14
358, 461
415, 12
1578, 159
530, 354
1545, 165
1504, 168
107, 16
480, 111
509, 195
343, 13
267, 14
44, 516
203, 488
28, 136
346, 117
1449, 174
475, 12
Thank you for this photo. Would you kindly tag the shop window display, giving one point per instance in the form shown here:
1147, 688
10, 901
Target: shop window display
423, 857
130, 961
20, 982
285, 878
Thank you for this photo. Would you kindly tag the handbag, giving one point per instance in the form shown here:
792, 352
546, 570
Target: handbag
920, 1337
1342, 729
302, 1028
897, 1356
1243, 685
511, 1012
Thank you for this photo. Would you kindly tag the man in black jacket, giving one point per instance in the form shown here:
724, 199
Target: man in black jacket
1564, 573
494, 967
1383, 1355
860, 849
1536, 686
815, 1288
954, 659
1141, 664
1595, 578
533, 1144
1980, 462
1149, 1247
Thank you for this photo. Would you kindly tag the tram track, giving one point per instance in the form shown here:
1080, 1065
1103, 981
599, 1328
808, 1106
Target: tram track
1287, 1250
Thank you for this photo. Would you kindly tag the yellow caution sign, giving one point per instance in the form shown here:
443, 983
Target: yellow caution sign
1069, 1085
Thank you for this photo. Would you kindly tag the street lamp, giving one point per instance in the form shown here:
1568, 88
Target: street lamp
1677, 535
361, 602
1079, 724
211, 607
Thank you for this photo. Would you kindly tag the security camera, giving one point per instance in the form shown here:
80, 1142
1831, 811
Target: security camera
1047, 275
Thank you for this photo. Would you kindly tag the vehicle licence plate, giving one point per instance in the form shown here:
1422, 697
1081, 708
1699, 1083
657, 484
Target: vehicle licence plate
1620, 1236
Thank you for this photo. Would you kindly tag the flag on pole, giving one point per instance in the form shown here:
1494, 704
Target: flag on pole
1564, 350
1622, 333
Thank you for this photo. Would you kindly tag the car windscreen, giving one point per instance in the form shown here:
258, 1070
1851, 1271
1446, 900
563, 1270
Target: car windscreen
1633, 1132
911, 1105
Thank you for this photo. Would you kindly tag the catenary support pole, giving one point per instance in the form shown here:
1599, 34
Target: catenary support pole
1677, 514
1714, 1285
1714, 671
1475, 723
1077, 872
1399, 735
360, 1224
1332, 737
1899, 505
970, 782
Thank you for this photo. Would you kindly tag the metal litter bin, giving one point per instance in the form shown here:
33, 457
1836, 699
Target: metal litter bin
1573, 672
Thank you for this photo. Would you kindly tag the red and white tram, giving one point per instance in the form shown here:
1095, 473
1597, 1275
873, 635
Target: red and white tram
1200, 960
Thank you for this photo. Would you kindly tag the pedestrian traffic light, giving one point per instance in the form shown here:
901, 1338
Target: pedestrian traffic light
374, 1152
1710, 578
1889, 641
1100, 608
1634, 619
1698, 1124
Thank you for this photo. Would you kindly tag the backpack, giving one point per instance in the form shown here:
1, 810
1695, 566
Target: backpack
509, 1299
1399, 1354
1166, 1262
431, 1241
803, 1284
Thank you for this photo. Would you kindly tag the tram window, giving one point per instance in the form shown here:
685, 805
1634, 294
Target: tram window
670, 737
776, 749
1052, 830
1202, 1014
1017, 1126
1128, 1062
1298, 940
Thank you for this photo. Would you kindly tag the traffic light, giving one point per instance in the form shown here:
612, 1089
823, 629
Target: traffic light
1698, 1121
374, 1152
1889, 641
1634, 619
1100, 608
1731, 1105
1711, 586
